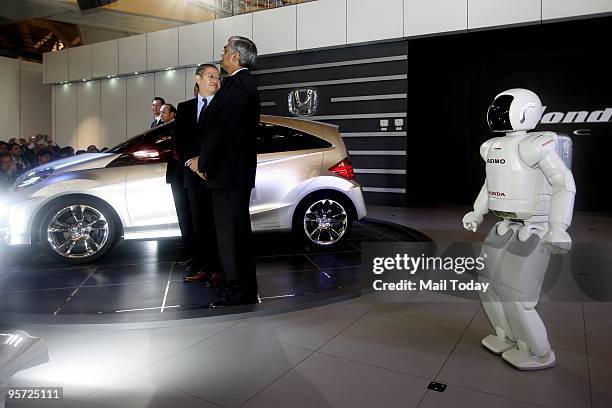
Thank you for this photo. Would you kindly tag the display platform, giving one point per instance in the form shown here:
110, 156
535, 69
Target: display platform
139, 281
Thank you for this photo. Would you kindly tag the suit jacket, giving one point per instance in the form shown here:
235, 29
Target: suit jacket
228, 152
187, 140
156, 123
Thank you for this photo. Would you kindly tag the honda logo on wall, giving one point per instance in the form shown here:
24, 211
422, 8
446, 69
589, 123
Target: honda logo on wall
303, 102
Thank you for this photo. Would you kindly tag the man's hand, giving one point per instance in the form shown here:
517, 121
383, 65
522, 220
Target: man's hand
193, 165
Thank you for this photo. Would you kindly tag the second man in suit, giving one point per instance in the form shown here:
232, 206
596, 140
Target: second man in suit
189, 123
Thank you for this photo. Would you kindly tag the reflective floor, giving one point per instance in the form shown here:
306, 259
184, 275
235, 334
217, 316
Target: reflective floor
142, 281
370, 351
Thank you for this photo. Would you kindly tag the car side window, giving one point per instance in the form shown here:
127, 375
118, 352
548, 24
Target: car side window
275, 138
154, 146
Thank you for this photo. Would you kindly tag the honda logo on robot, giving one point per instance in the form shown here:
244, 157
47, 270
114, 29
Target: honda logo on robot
497, 193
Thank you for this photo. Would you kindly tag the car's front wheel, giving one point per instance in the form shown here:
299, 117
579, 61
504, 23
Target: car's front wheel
78, 230
323, 220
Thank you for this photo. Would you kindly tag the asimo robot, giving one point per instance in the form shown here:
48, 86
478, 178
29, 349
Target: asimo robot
530, 188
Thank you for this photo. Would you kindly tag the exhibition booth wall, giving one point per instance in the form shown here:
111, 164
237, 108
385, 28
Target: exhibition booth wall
25, 103
354, 53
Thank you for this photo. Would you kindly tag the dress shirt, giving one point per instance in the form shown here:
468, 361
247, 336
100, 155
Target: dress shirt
201, 103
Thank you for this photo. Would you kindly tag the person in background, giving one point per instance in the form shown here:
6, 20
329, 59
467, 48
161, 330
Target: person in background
8, 172
167, 112
156, 105
44, 157
16, 152
92, 149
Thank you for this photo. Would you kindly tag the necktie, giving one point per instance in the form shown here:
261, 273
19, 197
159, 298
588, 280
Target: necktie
204, 103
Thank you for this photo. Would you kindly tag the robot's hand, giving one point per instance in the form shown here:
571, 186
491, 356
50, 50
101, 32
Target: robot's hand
472, 220
558, 239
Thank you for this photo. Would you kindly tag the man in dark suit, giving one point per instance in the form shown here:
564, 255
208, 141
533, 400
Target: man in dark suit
174, 177
227, 161
156, 105
189, 122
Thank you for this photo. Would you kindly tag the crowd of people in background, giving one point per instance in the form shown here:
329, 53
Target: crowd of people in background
17, 156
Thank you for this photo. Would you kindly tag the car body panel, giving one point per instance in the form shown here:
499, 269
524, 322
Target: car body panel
143, 202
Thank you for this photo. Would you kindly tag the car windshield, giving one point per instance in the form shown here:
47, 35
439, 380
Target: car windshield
153, 136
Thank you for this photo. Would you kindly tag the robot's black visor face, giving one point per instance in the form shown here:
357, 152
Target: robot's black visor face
498, 115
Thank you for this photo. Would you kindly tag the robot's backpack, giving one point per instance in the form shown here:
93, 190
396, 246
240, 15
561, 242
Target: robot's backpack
564, 149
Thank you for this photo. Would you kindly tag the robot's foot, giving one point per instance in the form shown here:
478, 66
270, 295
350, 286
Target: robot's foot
526, 361
495, 344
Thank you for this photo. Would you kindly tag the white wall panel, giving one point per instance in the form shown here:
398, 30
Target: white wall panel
568, 8
226, 27
196, 44
34, 101
65, 115
274, 30
88, 114
434, 16
139, 91
113, 113
9, 98
57, 66
132, 54
189, 82
489, 13
370, 20
162, 49
79, 63
321, 23
105, 59
170, 85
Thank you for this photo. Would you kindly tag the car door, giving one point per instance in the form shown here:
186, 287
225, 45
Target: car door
148, 197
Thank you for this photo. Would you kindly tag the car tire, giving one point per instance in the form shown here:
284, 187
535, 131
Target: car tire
323, 220
78, 230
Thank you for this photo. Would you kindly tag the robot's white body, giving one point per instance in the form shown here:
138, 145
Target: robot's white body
529, 187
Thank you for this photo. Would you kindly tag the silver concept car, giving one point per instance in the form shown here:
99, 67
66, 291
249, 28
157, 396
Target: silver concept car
79, 207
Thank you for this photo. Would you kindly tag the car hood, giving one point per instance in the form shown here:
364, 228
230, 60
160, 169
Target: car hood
80, 162
83, 161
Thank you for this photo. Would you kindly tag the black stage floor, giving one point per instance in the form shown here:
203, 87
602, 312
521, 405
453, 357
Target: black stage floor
139, 281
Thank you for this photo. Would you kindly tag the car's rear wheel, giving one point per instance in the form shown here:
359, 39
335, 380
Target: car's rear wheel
78, 230
323, 220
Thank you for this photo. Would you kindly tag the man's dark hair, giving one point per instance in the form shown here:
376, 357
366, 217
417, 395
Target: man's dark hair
2, 142
200, 69
246, 48
171, 107
44, 152
160, 99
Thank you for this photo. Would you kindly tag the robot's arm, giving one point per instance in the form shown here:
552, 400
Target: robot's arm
542, 152
473, 219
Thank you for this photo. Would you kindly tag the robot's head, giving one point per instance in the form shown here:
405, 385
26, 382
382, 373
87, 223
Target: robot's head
514, 109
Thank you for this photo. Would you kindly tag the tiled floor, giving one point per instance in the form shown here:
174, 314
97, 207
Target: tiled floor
375, 350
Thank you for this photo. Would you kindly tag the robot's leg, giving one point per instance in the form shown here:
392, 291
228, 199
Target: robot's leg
524, 266
493, 252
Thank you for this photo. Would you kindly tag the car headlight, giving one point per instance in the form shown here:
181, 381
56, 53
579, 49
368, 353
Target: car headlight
32, 178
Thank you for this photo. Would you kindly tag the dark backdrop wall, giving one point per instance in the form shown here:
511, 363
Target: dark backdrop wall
357, 87
453, 79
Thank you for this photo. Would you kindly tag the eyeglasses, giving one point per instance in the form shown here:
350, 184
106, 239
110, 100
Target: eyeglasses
211, 76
